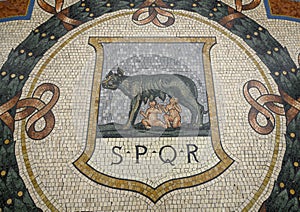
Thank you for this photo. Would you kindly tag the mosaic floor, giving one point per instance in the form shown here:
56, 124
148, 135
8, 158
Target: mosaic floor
156, 105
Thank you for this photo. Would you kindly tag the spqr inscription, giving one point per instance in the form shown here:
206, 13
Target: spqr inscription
166, 154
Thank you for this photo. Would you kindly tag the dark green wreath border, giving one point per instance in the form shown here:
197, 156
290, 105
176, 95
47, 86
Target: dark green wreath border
15, 71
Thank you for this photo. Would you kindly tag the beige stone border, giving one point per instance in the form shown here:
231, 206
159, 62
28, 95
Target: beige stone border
183, 14
154, 194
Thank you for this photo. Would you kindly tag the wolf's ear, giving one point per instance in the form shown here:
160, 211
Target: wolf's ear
120, 72
110, 73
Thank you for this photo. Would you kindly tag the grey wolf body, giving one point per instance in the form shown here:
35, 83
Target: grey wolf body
140, 88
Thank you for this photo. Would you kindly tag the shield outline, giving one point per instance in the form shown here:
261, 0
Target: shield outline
154, 194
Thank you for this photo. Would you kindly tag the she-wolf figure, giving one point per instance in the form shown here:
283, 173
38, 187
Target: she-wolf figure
140, 88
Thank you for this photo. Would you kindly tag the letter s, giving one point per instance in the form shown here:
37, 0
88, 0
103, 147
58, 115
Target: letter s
115, 153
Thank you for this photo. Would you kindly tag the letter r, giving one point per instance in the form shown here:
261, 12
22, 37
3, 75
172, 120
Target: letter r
189, 152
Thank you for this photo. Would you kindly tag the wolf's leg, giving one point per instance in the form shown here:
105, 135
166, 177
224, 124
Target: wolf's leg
200, 114
134, 109
192, 105
195, 113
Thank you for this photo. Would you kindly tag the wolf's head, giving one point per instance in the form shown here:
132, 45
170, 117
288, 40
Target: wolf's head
113, 80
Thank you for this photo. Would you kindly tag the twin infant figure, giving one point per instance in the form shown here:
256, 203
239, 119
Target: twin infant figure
171, 117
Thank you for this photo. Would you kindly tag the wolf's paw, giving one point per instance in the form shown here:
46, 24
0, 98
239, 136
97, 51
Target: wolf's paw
126, 126
196, 125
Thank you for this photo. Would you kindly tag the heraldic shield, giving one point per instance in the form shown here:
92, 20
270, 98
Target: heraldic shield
153, 108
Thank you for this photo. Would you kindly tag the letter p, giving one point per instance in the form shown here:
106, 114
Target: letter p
140, 150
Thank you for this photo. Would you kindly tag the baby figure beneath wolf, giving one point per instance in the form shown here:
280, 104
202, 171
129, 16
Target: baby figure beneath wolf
172, 117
